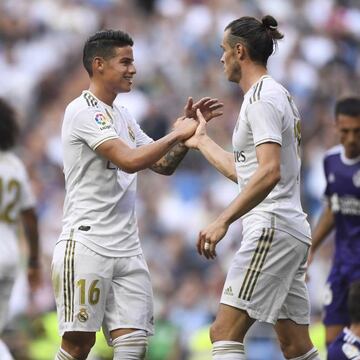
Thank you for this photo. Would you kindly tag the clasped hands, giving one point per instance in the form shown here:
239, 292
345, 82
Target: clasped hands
202, 111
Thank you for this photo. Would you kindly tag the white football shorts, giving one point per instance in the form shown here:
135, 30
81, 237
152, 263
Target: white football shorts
94, 291
267, 277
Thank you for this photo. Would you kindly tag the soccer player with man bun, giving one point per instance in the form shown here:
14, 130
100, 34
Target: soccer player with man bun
266, 279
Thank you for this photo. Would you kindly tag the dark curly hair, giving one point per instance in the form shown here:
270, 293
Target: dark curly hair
102, 44
9, 129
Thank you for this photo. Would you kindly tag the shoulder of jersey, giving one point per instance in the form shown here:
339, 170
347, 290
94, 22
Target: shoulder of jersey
334, 151
83, 102
15, 161
266, 89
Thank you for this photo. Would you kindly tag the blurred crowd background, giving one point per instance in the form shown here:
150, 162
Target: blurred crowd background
177, 54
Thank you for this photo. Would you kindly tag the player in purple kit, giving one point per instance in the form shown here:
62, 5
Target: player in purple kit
342, 171
347, 344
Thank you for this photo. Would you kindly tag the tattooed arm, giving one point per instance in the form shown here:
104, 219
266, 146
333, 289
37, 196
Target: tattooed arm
170, 161
210, 109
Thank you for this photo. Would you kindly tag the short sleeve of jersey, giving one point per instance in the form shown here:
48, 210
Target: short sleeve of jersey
94, 127
265, 122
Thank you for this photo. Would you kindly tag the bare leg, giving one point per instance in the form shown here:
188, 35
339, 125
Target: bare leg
228, 332
294, 338
78, 344
331, 333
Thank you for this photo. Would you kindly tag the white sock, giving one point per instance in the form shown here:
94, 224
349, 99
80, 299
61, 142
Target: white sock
4, 352
130, 346
63, 355
310, 355
228, 350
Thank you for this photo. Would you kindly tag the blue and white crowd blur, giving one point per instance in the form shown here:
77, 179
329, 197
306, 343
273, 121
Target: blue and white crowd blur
177, 54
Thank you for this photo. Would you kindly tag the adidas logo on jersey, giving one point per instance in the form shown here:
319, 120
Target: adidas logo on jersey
228, 291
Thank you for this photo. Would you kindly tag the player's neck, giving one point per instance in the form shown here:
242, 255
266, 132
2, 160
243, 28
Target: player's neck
355, 329
102, 94
250, 76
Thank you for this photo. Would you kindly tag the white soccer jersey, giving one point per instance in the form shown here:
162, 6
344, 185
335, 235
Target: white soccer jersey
99, 208
268, 114
15, 195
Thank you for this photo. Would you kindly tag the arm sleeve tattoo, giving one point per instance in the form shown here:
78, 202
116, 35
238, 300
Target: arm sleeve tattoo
170, 161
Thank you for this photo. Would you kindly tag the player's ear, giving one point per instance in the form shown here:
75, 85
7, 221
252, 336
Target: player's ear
98, 64
240, 51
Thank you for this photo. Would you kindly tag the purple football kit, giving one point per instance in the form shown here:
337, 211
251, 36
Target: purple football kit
343, 192
346, 346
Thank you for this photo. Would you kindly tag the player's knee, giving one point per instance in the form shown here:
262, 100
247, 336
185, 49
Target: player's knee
131, 346
213, 333
293, 347
78, 344
217, 332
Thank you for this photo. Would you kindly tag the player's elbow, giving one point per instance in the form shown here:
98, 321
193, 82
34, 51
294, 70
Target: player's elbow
272, 175
131, 167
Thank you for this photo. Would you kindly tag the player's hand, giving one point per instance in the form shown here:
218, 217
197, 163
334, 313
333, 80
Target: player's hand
185, 127
209, 108
34, 277
200, 133
209, 237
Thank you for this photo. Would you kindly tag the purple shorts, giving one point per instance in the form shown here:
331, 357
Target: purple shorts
339, 280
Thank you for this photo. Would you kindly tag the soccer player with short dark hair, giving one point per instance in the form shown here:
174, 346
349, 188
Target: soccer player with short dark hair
342, 214
99, 274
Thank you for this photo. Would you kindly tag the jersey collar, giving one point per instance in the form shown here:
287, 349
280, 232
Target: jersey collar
346, 160
250, 91
106, 106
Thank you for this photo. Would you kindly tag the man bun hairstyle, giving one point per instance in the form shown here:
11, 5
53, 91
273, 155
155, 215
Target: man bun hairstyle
9, 129
102, 44
259, 37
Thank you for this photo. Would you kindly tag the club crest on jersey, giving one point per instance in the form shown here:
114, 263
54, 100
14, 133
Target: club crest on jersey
356, 179
102, 121
131, 133
83, 315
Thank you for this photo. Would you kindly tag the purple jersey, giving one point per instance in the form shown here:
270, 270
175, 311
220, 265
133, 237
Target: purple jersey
343, 192
346, 346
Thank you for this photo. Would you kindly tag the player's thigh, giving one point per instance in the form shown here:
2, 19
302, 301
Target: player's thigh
336, 293
81, 281
261, 273
296, 306
130, 301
